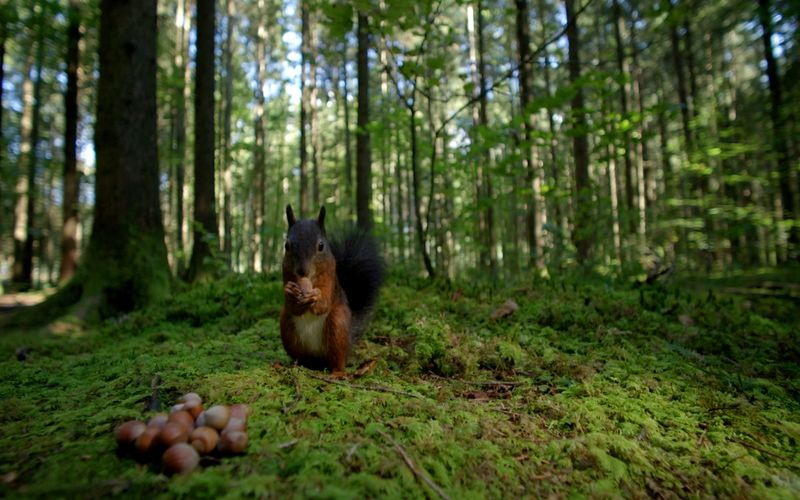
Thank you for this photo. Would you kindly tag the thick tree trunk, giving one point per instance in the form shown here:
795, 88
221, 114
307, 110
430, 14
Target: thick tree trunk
126, 263
582, 234
534, 213
33, 162
69, 228
778, 123
363, 151
200, 265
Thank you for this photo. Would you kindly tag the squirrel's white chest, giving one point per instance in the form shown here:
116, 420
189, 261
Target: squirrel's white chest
308, 329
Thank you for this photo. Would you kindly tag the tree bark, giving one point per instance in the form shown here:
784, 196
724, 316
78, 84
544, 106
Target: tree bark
582, 234
363, 151
227, 173
23, 261
181, 96
305, 104
779, 141
624, 72
205, 226
69, 228
532, 180
348, 152
480, 118
126, 265
21, 186
259, 167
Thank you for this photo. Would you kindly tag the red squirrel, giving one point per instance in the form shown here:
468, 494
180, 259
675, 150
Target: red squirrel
330, 287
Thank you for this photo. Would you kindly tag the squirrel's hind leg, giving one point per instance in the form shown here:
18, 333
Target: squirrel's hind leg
337, 336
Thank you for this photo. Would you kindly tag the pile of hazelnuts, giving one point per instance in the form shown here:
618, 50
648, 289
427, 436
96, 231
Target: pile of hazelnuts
188, 432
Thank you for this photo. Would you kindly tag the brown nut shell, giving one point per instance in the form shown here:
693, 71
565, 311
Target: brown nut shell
190, 396
180, 459
305, 284
194, 407
204, 439
217, 416
173, 433
235, 424
127, 433
158, 420
183, 418
147, 440
232, 442
240, 411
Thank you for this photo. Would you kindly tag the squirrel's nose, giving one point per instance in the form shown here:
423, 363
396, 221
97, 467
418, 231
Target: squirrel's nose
300, 272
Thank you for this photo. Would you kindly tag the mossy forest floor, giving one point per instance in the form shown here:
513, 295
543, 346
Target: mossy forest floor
588, 389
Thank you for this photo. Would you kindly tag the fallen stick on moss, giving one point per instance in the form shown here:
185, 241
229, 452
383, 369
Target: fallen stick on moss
419, 473
478, 382
378, 388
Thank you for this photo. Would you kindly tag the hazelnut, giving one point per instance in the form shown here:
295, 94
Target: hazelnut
204, 439
235, 424
180, 459
173, 433
183, 418
147, 439
305, 284
240, 411
232, 442
194, 407
128, 432
190, 396
158, 420
216, 416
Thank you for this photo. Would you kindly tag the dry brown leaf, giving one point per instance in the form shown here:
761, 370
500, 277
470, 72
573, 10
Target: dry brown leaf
365, 368
685, 320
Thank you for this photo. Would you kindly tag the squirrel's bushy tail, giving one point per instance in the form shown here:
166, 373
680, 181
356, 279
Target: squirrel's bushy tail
360, 270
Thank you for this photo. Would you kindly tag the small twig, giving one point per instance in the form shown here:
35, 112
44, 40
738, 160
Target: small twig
154, 403
418, 472
288, 444
297, 395
759, 449
479, 382
372, 387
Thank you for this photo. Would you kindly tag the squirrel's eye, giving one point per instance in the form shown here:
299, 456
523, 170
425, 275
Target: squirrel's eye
320, 246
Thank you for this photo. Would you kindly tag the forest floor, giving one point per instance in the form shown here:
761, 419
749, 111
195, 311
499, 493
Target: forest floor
595, 389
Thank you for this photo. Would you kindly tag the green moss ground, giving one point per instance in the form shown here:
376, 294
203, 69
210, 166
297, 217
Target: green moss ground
612, 391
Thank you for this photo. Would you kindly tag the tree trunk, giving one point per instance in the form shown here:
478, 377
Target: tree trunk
480, 119
21, 187
348, 152
23, 268
205, 218
624, 71
259, 167
412, 126
778, 123
363, 152
582, 234
313, 125
181, 96
126, 264
305, 104
69, 229
227, 172
532, 180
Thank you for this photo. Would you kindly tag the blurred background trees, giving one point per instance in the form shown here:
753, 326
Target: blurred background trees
618, 136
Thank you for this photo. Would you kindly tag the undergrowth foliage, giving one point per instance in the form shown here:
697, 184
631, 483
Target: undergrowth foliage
585, 389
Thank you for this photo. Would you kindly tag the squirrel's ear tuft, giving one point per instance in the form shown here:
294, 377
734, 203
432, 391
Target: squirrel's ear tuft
321, 219
290, 216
